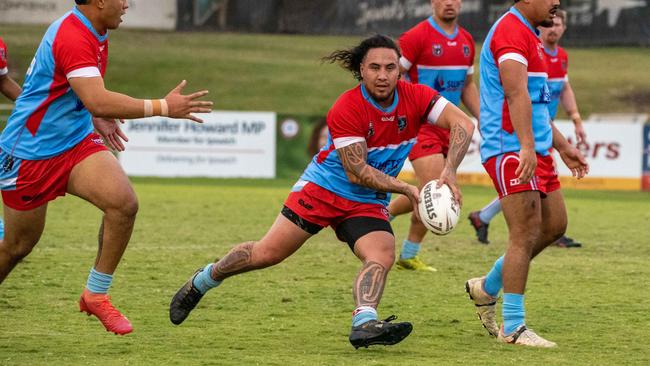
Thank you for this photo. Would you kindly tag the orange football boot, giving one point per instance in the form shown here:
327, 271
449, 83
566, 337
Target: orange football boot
100, 306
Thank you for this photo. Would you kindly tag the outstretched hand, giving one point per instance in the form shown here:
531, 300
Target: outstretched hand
111, 132
181, 106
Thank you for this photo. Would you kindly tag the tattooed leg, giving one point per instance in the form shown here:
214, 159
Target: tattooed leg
100, 241
238, 260
369, 284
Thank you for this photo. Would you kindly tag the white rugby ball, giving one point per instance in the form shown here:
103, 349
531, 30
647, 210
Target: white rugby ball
438, 210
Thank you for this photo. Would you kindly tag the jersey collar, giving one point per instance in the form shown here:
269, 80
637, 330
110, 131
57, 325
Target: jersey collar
552, 53
522, 19
441, 31
88, 24
370, 100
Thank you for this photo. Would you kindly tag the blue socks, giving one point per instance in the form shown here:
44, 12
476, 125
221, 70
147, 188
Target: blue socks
409, 249
493, 281
488, 212
98, 282
363, 314
513, 312
203, 281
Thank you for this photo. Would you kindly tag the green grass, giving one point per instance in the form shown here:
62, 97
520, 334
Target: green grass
283, 73
592, 301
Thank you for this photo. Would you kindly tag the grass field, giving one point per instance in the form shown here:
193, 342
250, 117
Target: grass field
283, 73
592, 301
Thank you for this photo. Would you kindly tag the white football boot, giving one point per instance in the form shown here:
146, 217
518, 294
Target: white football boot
525, 337
485, 304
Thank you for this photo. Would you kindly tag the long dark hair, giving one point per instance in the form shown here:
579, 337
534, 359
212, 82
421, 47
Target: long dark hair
352, 58
313, 147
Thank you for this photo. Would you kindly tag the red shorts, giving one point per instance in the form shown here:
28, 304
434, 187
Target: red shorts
324, 208
501, 169
28, 184
431, 140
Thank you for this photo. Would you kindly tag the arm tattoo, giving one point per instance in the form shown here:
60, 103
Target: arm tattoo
354, 157
369, 285
459, 140
238, 260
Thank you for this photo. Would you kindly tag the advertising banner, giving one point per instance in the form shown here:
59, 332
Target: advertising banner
226, 145
158, 14
646, 158
613, 151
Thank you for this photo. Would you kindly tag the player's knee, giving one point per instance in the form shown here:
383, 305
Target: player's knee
17, 252
385, 256
264, 257
129, 207
557, 231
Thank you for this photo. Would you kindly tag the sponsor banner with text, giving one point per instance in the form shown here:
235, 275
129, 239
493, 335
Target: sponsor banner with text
613, 151
646, 158
226, 145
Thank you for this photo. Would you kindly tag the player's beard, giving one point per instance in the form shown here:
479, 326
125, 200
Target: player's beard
547, 23
449, 18
383, 98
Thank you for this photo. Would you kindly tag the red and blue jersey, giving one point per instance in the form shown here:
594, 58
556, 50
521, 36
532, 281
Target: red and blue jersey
437, 59
389, 134
49, 118
513, 38
3, 58
558, 63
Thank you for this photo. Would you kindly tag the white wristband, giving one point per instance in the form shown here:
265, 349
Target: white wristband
164, 108
148, 108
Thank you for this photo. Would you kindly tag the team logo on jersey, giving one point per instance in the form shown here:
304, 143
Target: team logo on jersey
439, 84
466, 50
437, 50
401, 123
79, 106
540, 51
371, 129
388, 118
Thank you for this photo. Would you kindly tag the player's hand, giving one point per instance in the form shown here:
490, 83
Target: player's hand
575, 161
413, 194
111, 132
448, 177
581, 135
181, 106
527, 165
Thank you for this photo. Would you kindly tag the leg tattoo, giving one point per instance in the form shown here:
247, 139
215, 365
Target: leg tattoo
238, 260
100, 241
369, 285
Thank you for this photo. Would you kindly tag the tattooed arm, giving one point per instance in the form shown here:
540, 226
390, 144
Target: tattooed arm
354, 159
461, 128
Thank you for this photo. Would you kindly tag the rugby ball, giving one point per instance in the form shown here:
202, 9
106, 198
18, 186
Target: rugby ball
438, 210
